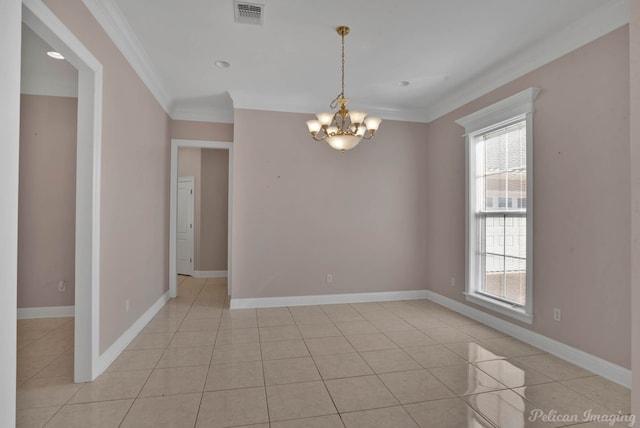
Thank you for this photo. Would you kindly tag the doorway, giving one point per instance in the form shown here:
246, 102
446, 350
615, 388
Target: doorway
176, 147
48, 27
47, 188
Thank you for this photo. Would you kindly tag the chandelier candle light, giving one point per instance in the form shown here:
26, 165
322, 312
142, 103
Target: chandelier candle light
343, 129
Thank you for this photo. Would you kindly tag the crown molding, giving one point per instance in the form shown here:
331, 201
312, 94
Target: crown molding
109, 16
609, 17
214, 115
243, 100
614, 14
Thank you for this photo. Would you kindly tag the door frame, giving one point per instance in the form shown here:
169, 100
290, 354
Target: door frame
177, 144
192, 180
39, 18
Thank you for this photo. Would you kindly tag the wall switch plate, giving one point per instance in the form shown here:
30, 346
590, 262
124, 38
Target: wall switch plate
62, 286
557, 314
329, 279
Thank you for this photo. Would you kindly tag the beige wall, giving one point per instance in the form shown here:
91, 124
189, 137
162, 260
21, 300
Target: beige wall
135, 182
192, 130
47, 200
581, 207
634, 49
215, 203
303, 210
189, 165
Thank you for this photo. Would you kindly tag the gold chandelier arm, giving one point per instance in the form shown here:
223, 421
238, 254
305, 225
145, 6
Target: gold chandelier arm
316, 138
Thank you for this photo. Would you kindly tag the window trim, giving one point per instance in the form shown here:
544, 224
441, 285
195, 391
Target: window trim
495, 116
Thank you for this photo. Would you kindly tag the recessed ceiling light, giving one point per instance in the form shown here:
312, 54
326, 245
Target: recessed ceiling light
403, 83
54, 54
222, 64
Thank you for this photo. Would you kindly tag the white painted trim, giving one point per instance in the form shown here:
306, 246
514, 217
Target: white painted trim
88, 174
125, 339
499, 307
10, 26
213, 115
46, 312
210, 274
506, 109
173, 191
230, 223
597, 365
328, 299
192, 181
612, 15
497, 115
244, 100
109, 16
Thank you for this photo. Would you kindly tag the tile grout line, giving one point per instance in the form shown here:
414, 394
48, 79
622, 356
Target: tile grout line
204, 386
173, 334
264, 376
124, 418
34, 376
316, 365
71, 396
455, 396
395, 309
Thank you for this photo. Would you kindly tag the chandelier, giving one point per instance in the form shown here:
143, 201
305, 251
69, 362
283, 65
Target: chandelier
344, 129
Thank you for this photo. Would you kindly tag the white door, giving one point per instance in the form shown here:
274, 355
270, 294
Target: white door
184, 226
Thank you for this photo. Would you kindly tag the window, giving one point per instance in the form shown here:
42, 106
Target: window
499, 235
522, 203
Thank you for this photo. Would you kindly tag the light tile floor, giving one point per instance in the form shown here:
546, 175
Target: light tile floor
389, 365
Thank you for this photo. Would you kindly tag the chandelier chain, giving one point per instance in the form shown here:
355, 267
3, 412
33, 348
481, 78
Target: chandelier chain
336, 100
342, 68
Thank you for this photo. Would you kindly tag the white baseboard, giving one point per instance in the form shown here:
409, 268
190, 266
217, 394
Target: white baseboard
123, 341
210, 274
597, 365
327, 299
46, 312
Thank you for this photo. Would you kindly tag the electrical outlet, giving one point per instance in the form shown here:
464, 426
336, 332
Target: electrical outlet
127, 305
329, 279
452, 282
557, 314
62, 286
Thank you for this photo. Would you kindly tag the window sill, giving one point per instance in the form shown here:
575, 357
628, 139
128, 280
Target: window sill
502, 308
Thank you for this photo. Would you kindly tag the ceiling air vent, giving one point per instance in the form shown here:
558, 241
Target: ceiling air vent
249, 13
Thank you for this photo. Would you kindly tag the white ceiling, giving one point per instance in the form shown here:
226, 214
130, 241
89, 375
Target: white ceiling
41, 74
451, 51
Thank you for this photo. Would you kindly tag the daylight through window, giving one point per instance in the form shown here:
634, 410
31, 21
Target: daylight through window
499, 206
